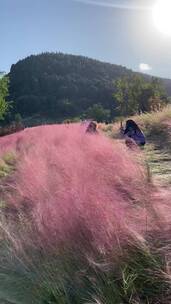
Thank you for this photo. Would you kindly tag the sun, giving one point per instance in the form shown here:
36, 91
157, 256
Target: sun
162, 16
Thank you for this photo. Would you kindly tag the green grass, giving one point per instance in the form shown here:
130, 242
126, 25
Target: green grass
7, 164
139, 276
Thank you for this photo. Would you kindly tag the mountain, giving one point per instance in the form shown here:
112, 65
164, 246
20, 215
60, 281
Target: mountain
56, 85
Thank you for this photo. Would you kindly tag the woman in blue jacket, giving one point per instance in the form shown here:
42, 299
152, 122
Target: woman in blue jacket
133, 131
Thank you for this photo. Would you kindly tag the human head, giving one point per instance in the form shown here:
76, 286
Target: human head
131, 124
92, 127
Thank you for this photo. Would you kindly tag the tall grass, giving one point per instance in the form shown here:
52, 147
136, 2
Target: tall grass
156, 125
79, 222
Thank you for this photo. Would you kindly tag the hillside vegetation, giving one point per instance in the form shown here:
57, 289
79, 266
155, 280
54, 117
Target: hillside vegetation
57, 86
81, 222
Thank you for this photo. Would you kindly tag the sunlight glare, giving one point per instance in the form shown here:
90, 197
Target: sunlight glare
162, 16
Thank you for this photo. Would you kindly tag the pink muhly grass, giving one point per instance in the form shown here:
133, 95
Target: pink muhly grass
81, 214
79, 189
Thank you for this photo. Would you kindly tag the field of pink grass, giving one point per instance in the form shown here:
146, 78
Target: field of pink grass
77, 191
72, 181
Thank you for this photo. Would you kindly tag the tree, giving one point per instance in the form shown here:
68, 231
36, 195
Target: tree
121, 95
153, 96
4, 105
98, 113
135, 95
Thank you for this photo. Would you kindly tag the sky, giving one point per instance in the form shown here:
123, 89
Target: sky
116, 31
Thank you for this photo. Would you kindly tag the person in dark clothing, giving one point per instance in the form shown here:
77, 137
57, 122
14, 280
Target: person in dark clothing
92, 127
133, 131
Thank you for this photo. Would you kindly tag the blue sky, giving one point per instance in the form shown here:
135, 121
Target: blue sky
120, 32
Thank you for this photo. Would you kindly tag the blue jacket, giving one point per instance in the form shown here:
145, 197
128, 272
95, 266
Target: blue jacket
137, 136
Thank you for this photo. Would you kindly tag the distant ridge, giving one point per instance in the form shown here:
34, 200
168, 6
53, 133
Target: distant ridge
57, 85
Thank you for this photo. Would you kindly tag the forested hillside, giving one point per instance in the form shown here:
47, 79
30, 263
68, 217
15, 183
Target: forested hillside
59, 86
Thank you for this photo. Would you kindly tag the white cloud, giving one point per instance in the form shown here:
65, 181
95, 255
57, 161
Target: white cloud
145, 67
115, 4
